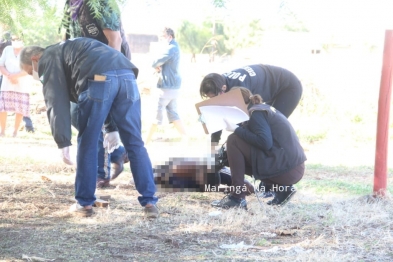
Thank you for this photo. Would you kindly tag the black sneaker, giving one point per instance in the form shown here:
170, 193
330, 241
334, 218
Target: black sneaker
265, 190
267, 194
230, 202
282, 197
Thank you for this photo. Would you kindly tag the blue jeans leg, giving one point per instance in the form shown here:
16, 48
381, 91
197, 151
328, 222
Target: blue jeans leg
126, 112
94, 105
162, 103
171, 111
103, 168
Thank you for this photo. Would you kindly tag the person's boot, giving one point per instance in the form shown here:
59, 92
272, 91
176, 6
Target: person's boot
265, 190
282, 195
101, 183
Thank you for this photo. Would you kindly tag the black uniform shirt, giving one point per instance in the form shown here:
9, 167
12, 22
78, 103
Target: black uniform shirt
265, 80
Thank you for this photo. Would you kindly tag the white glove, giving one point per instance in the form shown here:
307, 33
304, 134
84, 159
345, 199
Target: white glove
65, 155
111, 141
230, 126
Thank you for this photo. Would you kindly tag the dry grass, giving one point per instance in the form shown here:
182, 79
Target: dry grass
328, 219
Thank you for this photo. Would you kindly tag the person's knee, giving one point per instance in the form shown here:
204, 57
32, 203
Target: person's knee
173, 117
231, 140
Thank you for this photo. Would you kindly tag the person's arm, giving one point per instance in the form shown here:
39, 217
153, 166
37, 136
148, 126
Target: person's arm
114, 41
110, 24
258, 132
168, 53
114, 38
57, 100
3, 69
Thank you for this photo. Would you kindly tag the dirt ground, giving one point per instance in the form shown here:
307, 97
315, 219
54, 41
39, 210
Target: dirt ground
329, 219
35, 224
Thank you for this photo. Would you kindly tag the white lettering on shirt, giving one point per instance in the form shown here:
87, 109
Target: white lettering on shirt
249, 70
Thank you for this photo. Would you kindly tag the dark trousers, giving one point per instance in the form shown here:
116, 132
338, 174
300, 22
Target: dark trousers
287, 100
288, 178
239, 157
28, 122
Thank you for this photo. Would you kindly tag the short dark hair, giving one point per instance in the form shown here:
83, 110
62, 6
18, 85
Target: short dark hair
169, 31
212, 83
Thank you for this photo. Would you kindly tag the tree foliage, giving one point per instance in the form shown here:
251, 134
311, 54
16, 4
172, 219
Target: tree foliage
39, 20
98, 6
193, 37
16, 13
228, 36
242, 35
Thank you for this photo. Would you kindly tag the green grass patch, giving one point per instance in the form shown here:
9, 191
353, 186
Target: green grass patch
337, 186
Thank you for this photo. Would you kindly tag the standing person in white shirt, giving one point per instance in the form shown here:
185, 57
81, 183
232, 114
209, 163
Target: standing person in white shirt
14, 94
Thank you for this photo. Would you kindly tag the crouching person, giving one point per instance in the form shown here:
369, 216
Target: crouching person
102, 82
267, 147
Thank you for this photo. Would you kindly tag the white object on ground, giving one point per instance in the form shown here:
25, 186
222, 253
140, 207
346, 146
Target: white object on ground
215, 213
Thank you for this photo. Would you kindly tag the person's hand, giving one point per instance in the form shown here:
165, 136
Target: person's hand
111, 141
230, 126
146, 91
65, 155
158, 69
13, 79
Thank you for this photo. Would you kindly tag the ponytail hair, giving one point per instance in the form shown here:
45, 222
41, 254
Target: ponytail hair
256, 99
248, 96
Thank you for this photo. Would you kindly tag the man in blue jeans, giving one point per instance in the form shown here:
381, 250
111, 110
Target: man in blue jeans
80, 20
102, 81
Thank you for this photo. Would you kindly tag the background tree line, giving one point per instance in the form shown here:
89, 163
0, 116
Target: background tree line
39, 22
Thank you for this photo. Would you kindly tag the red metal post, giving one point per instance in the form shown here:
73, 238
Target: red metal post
385, 91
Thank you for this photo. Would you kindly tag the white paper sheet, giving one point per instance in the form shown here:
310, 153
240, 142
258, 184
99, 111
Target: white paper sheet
213, 116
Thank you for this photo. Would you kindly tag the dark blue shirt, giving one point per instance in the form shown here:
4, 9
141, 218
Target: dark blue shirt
265, 80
